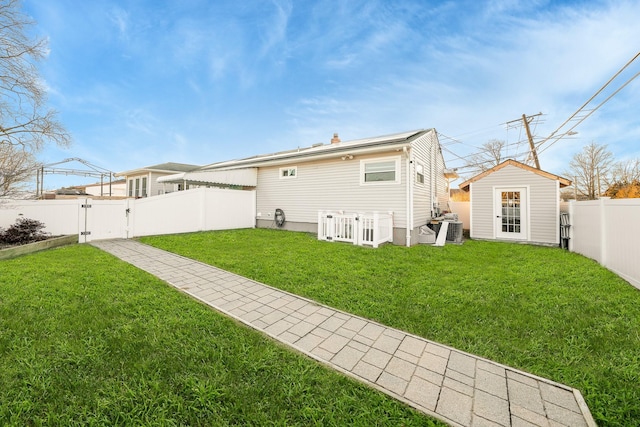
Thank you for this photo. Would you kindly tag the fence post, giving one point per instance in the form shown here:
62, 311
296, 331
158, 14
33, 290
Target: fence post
570, 243
376, 229
603, 231
82, 220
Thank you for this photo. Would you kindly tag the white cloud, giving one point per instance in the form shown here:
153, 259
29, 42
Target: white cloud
197, 72
120, 18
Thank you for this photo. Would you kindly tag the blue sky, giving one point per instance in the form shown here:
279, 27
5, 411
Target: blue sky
141, 82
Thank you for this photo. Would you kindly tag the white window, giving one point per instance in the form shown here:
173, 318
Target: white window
419, 173
286, 173
144, 187
130, 188
380, 171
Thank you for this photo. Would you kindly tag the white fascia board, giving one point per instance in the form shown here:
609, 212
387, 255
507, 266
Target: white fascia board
299, 157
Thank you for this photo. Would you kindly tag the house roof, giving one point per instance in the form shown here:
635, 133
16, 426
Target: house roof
563, 181
319, 151
169, 167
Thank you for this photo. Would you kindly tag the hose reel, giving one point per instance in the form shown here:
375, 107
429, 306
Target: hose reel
279, 217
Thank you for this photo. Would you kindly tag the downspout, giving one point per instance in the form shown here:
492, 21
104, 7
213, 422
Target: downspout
433, 169
409, 215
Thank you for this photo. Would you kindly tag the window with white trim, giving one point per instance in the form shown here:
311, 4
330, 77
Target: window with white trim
290, 172
380, 171
419, 173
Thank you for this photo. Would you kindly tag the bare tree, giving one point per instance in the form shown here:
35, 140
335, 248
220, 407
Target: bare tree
24, 118
625, 172
16, 168
489, 156
590, 170
624, 180
26, 124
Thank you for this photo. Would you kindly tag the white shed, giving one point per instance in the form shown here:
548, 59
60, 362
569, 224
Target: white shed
515, 202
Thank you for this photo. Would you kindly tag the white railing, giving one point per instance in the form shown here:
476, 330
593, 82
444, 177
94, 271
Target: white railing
358, 228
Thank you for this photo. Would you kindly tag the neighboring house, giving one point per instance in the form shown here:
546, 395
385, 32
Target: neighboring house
515, 202
143, 182
402, 173
116, 188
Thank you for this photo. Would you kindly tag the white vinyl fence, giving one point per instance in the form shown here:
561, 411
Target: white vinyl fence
608, 231
199, 209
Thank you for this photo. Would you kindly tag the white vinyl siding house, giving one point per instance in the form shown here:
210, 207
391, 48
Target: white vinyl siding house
325, 185
362, 176
143, 182
513, 201
432, 195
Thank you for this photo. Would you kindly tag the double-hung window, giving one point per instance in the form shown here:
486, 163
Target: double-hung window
380, 171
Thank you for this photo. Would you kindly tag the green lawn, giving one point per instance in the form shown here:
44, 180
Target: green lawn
543, 310
86, 339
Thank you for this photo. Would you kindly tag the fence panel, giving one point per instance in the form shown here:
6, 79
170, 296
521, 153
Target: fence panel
608, 231
178, 212
60, 217
194, 210
229, 209
622, 238
586, 223
185, 211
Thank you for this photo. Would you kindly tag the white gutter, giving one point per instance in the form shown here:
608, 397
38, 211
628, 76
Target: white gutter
307, 157
433, 168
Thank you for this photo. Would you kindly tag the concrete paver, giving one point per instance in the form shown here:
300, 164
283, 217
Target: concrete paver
453, 386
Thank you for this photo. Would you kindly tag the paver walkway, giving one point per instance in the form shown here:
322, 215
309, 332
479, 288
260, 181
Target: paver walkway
453, 386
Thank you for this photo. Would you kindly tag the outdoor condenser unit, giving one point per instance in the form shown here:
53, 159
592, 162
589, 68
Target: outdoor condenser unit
454, 233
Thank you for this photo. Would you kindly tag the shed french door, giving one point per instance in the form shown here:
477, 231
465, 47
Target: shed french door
511, 213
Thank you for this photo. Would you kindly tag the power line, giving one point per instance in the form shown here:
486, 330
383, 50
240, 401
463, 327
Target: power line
594, 110
582, 108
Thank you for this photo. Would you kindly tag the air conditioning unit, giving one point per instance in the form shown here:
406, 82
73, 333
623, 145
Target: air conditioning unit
454, 233
451, 217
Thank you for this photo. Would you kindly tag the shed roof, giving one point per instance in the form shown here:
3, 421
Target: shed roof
563, 181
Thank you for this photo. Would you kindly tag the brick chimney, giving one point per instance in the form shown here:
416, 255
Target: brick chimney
335, 138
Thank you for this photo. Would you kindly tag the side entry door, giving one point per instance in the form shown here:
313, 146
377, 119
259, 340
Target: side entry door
511, 213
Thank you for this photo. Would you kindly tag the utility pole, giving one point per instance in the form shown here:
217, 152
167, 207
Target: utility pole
525, 120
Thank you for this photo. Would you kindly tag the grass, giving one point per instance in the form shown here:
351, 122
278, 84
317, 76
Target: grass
86, 339
543, 310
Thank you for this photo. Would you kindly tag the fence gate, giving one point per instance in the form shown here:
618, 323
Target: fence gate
102, 219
